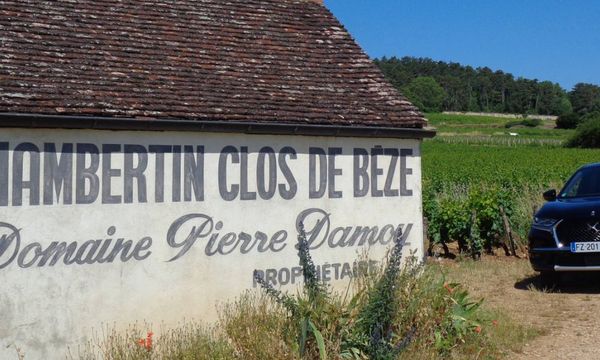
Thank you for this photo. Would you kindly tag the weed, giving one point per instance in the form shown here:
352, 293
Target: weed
190, 341
403, 310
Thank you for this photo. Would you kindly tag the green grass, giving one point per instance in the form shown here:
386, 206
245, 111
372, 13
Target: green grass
475, 130
471, 125
442, 119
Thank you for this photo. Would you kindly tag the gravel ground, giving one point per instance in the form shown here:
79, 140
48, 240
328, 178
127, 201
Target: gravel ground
567, 315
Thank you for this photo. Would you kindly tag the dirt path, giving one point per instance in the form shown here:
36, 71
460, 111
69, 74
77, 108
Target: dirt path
567, 316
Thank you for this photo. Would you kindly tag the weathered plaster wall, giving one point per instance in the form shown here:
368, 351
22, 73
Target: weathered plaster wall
45, 307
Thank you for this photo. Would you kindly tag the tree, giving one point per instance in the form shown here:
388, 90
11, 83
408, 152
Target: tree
563, 107
585, 98
480, 89
552, 99
425, 93
568, 121
523, 96
587, 134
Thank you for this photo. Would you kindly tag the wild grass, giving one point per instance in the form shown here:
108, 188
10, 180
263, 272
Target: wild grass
489, 126
138, 342
486, 130
255, 327
493, 279
411, 312
440, 118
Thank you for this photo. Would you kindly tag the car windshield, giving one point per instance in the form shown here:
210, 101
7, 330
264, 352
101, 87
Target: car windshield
586, 182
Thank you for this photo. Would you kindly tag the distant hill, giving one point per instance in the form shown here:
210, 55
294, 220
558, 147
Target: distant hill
437, 86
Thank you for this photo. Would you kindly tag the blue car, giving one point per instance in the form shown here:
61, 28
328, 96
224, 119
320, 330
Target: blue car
565, 234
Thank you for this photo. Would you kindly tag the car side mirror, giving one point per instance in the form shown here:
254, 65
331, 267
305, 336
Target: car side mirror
550, 195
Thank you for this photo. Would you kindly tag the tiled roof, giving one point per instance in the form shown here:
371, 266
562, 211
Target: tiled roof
284, 61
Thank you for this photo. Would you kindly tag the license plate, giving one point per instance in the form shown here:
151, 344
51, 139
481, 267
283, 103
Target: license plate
585, 247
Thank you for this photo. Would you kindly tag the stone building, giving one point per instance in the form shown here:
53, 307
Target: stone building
153, 154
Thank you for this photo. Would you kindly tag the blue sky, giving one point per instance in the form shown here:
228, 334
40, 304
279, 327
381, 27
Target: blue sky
556, 40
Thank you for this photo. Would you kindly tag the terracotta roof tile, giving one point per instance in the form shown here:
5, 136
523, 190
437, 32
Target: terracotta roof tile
284, 61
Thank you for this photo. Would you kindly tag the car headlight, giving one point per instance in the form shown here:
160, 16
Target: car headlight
544, 222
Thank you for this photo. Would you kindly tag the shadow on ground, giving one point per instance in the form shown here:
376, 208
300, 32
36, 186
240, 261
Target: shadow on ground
569, 283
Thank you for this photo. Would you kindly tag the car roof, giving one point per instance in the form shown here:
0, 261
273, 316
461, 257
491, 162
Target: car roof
591, 165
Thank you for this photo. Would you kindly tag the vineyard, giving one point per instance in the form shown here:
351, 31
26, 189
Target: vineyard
470, 180
489, 126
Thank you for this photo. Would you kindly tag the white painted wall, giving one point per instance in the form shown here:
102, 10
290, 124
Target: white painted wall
44, 309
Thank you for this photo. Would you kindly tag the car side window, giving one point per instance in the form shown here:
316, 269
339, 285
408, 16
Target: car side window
584, 183
573, 188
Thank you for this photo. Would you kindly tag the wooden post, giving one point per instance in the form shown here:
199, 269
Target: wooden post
508, 231
473, 236
428, 243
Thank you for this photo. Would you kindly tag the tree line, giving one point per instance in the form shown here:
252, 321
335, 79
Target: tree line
436, 86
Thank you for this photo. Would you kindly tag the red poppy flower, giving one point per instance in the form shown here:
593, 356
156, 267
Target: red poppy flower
447, 287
